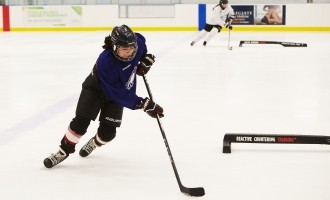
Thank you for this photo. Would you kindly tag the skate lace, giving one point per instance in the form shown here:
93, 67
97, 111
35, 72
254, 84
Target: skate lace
58, 157
90, 146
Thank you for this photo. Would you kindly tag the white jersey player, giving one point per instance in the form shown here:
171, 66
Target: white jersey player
222, 15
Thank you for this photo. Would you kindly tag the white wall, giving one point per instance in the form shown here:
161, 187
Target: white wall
107, 16
94, 2
308, 15
186, 17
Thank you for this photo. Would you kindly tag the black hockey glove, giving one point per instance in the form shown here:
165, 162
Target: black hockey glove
230, 27
229, 19
145, 63
151, 108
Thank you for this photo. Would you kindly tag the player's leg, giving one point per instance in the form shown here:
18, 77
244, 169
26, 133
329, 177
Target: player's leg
88, 107
207, 28
110, 118
212, 33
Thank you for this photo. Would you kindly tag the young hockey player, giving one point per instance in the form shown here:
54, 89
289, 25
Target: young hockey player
109, 88
222, 15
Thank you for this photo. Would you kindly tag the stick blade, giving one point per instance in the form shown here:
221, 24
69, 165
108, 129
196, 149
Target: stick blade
195, 192
293, 44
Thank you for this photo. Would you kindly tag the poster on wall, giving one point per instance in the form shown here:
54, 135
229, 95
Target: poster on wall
52, 16
260, 14
244, 15
269, 15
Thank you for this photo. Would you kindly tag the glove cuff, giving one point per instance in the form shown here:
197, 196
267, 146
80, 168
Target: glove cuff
145, 104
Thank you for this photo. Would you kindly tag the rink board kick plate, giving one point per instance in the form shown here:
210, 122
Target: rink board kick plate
230, 138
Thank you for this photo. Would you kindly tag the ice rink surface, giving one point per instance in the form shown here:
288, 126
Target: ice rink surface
205, 92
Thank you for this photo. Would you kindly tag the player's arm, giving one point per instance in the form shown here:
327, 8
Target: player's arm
229, 19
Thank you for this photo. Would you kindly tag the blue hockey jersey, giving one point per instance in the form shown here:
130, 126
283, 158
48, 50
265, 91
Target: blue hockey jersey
118, 78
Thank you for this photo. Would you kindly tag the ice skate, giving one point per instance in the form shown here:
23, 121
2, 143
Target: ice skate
88, 148
55, 159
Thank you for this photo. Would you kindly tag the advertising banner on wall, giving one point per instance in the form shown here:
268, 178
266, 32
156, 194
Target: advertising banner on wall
259, 14
244, 15
52, 16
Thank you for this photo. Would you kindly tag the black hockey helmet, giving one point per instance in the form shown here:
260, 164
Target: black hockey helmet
222, 2
123, 36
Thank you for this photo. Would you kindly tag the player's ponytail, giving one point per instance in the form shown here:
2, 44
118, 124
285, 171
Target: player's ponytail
107, 43
215, 6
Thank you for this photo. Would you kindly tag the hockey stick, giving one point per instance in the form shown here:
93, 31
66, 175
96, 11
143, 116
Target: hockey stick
272, 139
285, 44
197, 192
228, 22
229, 47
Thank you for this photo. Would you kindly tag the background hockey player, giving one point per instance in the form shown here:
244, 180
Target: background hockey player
221, 16
109, 88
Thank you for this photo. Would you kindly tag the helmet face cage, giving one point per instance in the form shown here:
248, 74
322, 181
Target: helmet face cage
123, 36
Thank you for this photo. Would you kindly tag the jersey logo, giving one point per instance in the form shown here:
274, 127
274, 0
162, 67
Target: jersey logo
131, 79
126, 67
